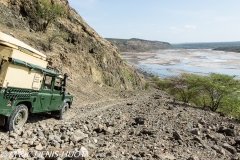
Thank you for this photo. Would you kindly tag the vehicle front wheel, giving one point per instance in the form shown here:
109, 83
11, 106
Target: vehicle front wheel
18, 118
63, 111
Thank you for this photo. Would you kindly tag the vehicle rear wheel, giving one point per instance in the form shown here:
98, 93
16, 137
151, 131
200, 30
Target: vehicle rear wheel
18, 118
63, 111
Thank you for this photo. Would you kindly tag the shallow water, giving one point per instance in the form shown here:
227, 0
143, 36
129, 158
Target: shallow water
165, 63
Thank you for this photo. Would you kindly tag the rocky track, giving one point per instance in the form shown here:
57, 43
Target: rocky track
132, 125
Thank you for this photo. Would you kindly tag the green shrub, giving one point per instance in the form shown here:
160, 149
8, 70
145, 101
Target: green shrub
124, 60
182, 87
230, 105
46, 13
147, 85
155, 78
219, 92
161, 83
54, 37
217, 88
129, 76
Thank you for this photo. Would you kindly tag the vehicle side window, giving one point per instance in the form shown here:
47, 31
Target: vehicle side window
47, 82
57, 85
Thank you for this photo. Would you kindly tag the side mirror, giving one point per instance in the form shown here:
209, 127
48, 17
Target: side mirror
65, 79
63, 89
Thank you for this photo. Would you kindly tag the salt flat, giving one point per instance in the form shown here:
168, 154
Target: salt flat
174, 61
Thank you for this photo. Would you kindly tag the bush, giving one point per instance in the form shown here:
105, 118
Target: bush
147, 85
46, 13
155, 78
54, 37
216, 91
182, 87
128, 75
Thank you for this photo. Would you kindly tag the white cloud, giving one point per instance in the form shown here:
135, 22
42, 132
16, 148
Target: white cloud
190, 27
176, 29
184, 28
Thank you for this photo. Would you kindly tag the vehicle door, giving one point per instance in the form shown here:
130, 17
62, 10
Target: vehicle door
46, 92
57, 95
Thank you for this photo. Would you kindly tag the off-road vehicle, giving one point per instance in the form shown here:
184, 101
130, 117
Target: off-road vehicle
27, 85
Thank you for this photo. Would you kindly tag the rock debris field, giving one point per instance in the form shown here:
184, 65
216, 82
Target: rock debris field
131, 125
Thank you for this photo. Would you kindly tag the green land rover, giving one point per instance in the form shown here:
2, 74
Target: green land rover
27, 85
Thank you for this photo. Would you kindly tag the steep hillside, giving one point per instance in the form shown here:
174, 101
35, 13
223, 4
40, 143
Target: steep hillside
138, 45
71, 45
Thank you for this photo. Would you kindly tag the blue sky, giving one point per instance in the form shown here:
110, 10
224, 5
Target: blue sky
174, 21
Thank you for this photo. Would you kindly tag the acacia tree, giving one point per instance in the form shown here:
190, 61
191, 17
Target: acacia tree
219, 92
183, 87
218, 88
47, 12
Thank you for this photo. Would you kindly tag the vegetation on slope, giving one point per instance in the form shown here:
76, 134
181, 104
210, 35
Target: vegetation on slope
219, 92
46, 13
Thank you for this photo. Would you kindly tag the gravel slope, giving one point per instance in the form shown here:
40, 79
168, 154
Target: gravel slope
128, 125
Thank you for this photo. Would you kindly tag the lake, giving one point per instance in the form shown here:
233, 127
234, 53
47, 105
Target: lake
170, 62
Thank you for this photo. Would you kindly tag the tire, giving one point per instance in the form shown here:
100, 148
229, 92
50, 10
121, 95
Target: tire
18, 118
63, 111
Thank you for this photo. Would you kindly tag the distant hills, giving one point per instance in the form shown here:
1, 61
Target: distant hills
229, 49
220, 46
138, 45
207, 45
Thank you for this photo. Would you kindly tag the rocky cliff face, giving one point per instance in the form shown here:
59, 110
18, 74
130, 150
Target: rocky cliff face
138, 45
85, 55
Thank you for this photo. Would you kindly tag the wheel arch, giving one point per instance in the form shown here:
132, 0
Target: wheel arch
68, 101
27, 104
